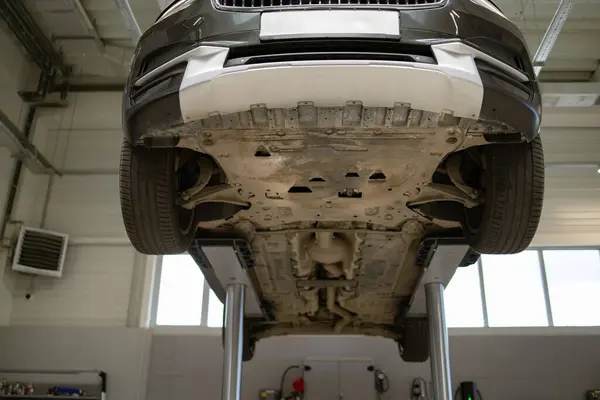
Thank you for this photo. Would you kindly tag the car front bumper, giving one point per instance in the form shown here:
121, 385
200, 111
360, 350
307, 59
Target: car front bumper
203, 61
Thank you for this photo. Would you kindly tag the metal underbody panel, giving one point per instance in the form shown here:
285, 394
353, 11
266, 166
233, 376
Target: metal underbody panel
343, 164
377, 275
337, 255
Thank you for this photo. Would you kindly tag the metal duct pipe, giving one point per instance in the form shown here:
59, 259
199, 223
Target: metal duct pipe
32, 38
132, 25
551, 35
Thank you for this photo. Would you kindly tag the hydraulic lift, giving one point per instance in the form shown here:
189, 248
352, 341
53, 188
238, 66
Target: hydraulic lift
429, 299
444, 258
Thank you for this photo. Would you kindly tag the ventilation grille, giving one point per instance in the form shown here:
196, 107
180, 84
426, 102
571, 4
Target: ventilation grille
40, 252
288, 4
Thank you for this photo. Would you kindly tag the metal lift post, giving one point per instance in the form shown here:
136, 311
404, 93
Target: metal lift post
438, 342
225, 261
429, 300
233, 341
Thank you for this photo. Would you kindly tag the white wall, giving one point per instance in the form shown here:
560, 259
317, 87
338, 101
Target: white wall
120, 352
84, 140
571, 213
13, 73
516, 367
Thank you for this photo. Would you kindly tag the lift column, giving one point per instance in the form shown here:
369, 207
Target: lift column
233, 342
429, 300
438, 342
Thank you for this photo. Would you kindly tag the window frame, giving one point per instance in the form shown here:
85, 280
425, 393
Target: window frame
154, 298
551, 328
543, 286
155, 291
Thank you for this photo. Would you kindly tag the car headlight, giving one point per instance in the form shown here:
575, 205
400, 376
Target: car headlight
490, 6
174, 7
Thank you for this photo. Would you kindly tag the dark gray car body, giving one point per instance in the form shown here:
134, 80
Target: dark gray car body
206, 23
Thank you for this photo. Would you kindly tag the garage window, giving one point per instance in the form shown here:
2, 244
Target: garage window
514, 290
463, 300
573, 284
184, 297
215, 311
538, 287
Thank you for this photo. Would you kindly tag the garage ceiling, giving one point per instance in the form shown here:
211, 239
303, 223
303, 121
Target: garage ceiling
575, 57
62, 22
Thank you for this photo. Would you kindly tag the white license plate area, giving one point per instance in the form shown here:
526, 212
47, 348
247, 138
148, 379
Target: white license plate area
329, 23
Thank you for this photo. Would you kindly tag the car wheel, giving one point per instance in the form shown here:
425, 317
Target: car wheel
470, 258
149, 181
248, 345
414, 342
248, 350
512, 178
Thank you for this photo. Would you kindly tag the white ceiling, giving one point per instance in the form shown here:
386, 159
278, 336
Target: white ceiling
575, 57
61, 21
576, 54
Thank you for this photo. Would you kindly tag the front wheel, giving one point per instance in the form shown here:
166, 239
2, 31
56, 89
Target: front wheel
413, 344
512, 178
150, 180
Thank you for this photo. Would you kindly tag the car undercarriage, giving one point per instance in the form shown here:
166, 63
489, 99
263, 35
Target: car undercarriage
332, 203
333, 141
348, 164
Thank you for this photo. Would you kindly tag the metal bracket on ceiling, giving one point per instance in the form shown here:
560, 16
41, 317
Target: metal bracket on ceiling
45, 86
551, 36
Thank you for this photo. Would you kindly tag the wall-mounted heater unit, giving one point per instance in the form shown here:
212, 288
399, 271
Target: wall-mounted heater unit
40, 252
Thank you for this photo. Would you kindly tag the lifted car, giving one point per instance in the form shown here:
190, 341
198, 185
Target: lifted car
333, 136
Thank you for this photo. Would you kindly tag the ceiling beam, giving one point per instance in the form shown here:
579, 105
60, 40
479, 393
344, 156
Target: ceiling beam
596, 74
561, 117
130, 21
577, 88
565, 76
570, 94
556, 64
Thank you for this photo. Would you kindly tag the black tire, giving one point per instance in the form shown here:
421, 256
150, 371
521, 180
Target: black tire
148, 183
513, 180
470, 258
249, 347
413, 345
249, 343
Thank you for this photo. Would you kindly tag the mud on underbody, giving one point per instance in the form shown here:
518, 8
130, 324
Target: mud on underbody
326, 198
